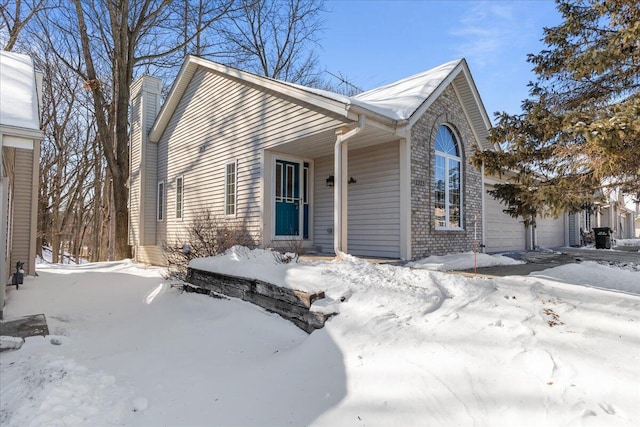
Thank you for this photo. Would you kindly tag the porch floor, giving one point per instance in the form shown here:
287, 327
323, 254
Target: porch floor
331, 257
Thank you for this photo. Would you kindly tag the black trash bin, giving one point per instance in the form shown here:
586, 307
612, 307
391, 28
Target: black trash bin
603, 237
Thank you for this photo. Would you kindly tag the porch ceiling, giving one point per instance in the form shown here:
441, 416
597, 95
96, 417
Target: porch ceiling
322, 144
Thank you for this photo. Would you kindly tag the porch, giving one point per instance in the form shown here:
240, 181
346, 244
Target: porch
302, 182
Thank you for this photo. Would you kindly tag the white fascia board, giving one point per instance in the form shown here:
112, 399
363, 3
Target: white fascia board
468, 117
435, 94
463, 68
476, 96
376, 120
13, 131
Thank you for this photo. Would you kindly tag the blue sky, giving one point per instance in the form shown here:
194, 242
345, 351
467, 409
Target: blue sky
373, 43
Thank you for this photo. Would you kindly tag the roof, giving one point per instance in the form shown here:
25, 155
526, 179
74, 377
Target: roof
396, 104
403, 98
18, 93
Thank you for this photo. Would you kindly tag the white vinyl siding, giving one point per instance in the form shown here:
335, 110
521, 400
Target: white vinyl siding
373, 203
22, 198
160, 199
179, 196
217, 121
151, 172
135, 174
145, 103
230, 185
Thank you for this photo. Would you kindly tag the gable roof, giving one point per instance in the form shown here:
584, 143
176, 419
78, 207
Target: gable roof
394, 105
401, 99
18, 94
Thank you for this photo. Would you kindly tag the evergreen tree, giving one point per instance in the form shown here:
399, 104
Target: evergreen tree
580, 128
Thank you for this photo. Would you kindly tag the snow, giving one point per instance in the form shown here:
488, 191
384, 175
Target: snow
402, 98
590, 273
462, 261
397, 100
66, 258
409, 347
18, 96
628, 242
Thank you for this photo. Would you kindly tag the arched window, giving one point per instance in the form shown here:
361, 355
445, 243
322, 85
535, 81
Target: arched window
448, 180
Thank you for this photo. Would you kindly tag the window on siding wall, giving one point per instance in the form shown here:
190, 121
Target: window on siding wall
230, 188
448, 180
160, 207
279, 182
179, 196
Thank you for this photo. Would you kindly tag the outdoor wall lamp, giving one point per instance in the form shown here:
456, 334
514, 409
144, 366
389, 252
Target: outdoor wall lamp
331, 181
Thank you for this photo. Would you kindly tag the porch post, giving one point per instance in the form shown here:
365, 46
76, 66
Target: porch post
342, 192
340, 172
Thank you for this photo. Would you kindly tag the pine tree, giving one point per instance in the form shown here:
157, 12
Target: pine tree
580, 127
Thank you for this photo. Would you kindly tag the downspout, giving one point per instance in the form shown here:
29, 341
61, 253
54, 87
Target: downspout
340, 189
483, 243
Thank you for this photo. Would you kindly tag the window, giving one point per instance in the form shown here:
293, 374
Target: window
230, 188
179, 196
279, 182
160, 207
448, 181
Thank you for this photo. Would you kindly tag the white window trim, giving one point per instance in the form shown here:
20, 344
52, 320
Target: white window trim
160, 201
235, 189
448, 157
181, 178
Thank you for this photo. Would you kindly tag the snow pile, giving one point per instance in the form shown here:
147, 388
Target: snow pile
593, 274
628, 242
49, 390
462, 261
260, 264
409, 347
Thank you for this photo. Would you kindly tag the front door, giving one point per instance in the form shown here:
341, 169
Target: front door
287, 198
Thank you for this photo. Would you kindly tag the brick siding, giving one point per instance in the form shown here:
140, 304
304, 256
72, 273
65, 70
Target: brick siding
425, 239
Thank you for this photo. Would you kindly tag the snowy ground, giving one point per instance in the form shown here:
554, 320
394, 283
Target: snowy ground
410, 347
628, 242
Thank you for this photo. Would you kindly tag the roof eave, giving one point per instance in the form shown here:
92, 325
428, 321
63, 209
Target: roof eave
462, 67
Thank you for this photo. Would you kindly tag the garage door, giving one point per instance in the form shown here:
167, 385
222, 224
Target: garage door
504, 233
550, 232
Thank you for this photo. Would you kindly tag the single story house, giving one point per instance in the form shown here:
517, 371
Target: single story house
385, 173
20, 137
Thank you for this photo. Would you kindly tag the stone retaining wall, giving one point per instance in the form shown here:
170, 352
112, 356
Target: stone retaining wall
290, 304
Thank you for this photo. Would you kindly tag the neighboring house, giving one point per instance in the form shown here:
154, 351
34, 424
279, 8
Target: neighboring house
617, 212
20, 137
382, 174
614, 210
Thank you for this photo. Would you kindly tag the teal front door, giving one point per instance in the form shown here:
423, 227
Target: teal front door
288, 202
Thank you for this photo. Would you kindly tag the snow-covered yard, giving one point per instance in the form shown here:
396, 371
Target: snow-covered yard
410, 347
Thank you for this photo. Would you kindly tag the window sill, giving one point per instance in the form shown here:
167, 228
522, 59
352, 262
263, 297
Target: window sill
449, 229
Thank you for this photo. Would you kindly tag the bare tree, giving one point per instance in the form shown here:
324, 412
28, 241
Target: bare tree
276, 39
15, 16
105, 42
66, 159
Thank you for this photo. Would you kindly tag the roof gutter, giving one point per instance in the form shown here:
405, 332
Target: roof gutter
340, 207
380, 120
